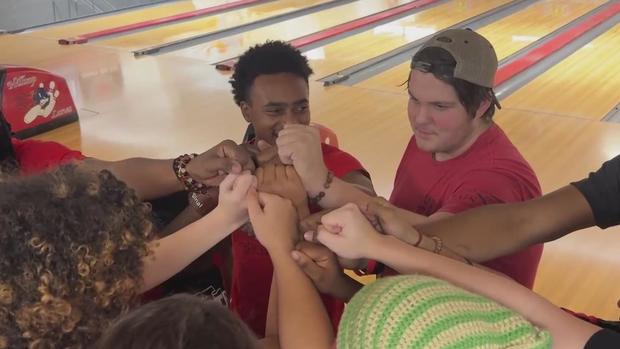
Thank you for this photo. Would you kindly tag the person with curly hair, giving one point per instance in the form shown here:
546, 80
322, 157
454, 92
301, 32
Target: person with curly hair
77, 250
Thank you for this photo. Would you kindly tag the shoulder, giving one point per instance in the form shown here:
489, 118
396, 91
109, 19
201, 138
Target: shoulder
36, 156
340, 162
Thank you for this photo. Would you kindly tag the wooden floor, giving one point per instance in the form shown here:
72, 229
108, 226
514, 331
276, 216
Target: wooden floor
125, 18
209, 24
344, 53
586, 83
175, 103
288, 30
508, 35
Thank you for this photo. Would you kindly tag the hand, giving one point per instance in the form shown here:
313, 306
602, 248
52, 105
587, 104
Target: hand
347, 232
391, 220
232, 197
212, 166
263, 153
321, 266
274, 220
300, 146
282, 181
312, 222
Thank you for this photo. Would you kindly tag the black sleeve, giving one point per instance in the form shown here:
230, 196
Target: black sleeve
602, 190
604, 339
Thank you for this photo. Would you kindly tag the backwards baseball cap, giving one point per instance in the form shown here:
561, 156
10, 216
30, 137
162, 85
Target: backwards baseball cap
475, 57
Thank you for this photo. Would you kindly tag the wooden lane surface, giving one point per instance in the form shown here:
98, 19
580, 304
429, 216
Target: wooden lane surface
371, 43
507, 35
122, 18
235, 45
187, 29
584, 85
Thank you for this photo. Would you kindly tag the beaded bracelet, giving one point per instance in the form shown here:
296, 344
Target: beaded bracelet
328, 182
438, 244
179, 166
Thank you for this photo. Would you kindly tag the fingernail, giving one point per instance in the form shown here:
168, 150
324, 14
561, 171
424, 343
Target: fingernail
295, 255
309, 236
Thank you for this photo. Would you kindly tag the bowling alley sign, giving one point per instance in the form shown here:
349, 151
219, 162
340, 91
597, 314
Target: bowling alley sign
34, 101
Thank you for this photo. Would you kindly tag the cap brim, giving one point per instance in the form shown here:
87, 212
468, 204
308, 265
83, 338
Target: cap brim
495, 100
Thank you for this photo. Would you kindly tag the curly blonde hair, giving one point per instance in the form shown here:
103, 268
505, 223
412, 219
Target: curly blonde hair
71, 249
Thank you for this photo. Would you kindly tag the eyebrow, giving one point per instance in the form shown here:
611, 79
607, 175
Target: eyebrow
433, 102
283, 104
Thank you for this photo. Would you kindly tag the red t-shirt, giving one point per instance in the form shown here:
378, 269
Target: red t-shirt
491, 171
37, 156
252, 268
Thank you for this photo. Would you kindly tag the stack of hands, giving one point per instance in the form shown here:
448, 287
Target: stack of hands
267, 186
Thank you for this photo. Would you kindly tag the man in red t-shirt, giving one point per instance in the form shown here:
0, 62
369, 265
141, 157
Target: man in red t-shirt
270, 85
457, 159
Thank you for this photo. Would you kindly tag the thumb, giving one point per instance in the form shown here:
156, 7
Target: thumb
309, 224
332, 222
267, 155
307, 264
218, 165
379, 211
329, 240
244, 182
263, 145
228, 183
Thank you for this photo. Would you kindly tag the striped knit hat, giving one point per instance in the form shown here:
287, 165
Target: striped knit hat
416, 311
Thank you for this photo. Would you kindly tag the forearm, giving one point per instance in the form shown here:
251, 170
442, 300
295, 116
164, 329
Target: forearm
303, 211
176, 251
271, 324
492, 231
339, 194
430, 244
183, 219
407, 260
271, 340
268, 342
150, 178
347, 289
480, 234
302, 319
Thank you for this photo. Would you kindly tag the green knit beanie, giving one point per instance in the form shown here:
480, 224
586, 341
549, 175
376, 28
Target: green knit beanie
415, 311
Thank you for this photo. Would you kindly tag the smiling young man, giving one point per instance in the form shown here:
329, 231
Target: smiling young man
270, 85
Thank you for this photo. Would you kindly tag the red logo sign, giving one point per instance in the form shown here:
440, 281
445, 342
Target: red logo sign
32, 98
